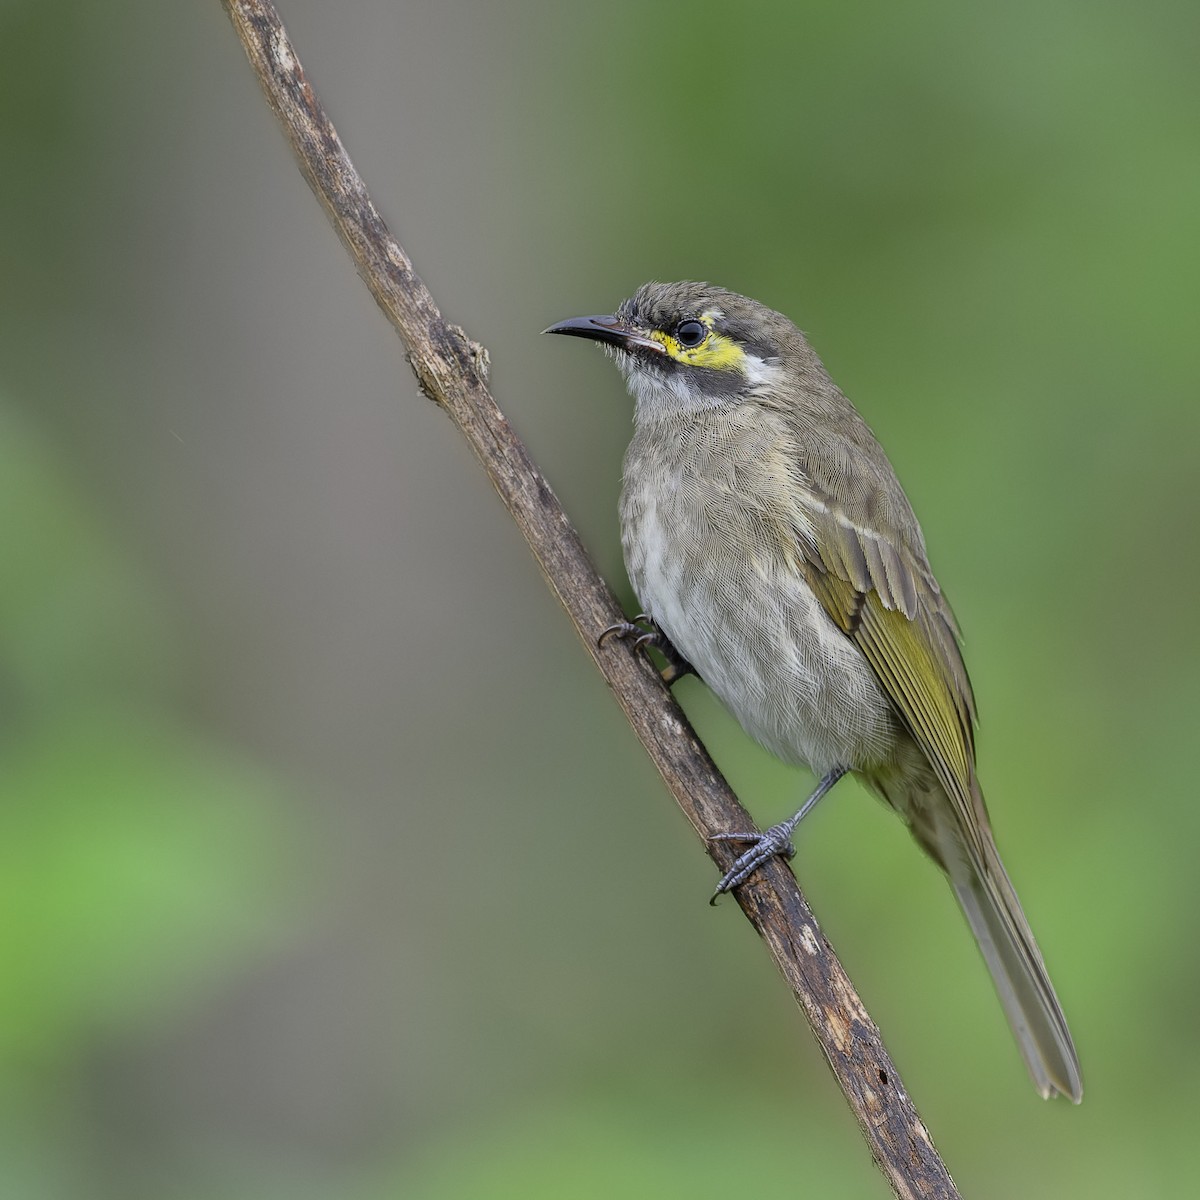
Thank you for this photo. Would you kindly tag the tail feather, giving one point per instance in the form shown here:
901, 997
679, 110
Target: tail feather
970, 860
995, 916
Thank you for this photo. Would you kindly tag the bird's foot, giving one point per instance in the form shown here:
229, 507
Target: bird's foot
647, 636
776, 841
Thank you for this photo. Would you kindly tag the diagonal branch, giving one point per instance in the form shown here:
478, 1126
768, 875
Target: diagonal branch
451, 371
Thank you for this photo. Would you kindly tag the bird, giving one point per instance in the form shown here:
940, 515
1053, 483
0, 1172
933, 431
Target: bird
775, 554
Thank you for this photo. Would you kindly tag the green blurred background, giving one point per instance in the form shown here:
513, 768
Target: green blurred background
327, 865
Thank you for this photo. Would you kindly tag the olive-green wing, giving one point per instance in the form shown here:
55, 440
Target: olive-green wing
885, 599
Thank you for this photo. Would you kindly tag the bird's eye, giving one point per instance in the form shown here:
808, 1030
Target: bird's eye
690, 333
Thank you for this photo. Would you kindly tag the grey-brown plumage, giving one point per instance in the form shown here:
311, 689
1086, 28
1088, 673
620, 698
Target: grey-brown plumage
766, 534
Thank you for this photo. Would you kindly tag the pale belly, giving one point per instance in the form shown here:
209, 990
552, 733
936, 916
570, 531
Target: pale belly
759, 638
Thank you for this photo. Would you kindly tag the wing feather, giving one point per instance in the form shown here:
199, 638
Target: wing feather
900, 621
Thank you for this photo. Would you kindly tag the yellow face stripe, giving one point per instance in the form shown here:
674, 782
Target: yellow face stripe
717, 352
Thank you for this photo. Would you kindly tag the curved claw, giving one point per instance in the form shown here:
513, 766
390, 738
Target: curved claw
621, 629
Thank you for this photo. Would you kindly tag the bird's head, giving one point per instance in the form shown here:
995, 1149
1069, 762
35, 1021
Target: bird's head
683, 347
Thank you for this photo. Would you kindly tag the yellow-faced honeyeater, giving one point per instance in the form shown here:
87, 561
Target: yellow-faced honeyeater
774, 551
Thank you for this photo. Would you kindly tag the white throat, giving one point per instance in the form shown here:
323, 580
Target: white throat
672, 393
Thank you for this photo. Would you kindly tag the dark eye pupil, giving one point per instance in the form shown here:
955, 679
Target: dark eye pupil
690, 333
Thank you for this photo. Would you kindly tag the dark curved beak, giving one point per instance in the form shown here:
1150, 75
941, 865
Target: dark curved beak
609, 329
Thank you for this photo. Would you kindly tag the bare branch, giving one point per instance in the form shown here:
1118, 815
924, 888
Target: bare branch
451, 371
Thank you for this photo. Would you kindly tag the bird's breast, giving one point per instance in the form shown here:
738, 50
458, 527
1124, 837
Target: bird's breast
714, 564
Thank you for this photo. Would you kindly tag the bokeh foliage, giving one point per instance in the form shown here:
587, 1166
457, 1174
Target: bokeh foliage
326, 866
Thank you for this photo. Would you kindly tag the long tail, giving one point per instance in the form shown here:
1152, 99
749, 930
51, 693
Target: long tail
994, 913
972, 864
